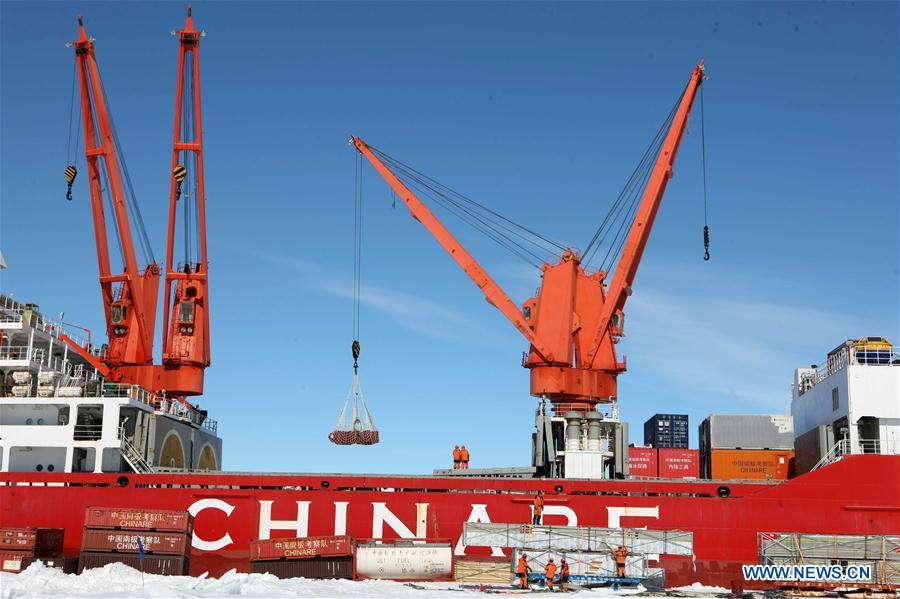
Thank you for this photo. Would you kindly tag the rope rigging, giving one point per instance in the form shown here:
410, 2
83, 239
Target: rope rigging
71, 172
525, 243
356, 426
186, 172
621, 214
705, 196
131, 202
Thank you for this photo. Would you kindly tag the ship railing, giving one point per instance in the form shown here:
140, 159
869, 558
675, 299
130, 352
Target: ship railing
859, 354
88, 432
14, 352
160, 403
859, 446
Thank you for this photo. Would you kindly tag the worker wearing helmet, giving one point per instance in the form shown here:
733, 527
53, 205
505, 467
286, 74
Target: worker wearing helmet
464, 457
457, 456
620, 554
549, 573
522, 571
538, 508
564, 575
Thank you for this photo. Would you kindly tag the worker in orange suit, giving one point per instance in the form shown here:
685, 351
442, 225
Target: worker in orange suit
620, 554
464, 457
457, 457
522, 571
538, 507
549, 573
564, 575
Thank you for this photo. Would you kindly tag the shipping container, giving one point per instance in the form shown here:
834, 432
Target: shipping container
678, 463
404, 560
69, 565
340, 566
727, 431
122, 541
171, 565
11, 561
138, 519
667, 430
37, 541
275, 549
642, 461
747, 464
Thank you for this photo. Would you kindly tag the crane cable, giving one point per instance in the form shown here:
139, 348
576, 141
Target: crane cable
357, 259
623, 211
705, 196
500, 229
71, 172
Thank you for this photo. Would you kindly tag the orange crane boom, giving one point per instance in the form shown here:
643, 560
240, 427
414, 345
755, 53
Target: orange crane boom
492, 291
130, 299
186, 308
573, 323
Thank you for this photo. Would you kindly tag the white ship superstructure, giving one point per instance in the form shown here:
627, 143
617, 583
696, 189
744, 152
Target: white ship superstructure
57, 414
849, 405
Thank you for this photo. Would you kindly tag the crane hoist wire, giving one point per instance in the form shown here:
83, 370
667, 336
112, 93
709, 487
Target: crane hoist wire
187, 188
623, 210
71, 172
705, 195
521, 241
355, 425
131, 201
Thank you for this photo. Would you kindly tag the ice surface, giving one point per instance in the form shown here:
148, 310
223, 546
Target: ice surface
121, 581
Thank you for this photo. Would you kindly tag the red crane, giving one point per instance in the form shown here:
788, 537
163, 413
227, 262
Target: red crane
186, 337
130, 299
575, 320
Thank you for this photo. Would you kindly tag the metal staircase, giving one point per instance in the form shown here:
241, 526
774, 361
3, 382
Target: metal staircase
132, 455
837, 451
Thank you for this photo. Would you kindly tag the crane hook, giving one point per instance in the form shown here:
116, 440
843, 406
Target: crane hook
71, 173
355, 349
706, 243
179, 173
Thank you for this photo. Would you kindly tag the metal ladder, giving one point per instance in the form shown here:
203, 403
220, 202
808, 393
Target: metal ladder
837, 451
132, 455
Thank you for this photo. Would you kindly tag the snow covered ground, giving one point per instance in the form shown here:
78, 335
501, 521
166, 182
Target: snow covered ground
120, 581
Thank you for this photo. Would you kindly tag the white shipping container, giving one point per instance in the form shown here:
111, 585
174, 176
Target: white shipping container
408, 562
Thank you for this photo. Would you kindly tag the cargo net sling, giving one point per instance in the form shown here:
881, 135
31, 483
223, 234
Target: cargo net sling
354, 426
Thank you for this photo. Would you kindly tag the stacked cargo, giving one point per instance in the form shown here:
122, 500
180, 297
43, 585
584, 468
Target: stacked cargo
122, 534
21, 546
881, 554
678, 463
663, 463
746, 447
666, 431
642, 461
345, 557
309, 557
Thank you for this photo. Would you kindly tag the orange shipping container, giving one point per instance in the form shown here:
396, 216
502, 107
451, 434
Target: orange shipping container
754, 464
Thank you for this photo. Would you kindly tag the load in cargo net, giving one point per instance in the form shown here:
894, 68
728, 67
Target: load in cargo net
354, 426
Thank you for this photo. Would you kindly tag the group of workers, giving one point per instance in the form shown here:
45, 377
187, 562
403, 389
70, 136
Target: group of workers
549, 573
522, 569
460, 458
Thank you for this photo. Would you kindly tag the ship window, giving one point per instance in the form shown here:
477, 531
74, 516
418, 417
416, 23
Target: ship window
118, 313
835, 399
186, 312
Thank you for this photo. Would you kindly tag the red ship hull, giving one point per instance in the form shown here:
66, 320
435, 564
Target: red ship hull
857, 495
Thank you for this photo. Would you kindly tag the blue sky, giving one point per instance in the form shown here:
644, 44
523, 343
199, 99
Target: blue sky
540, 110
